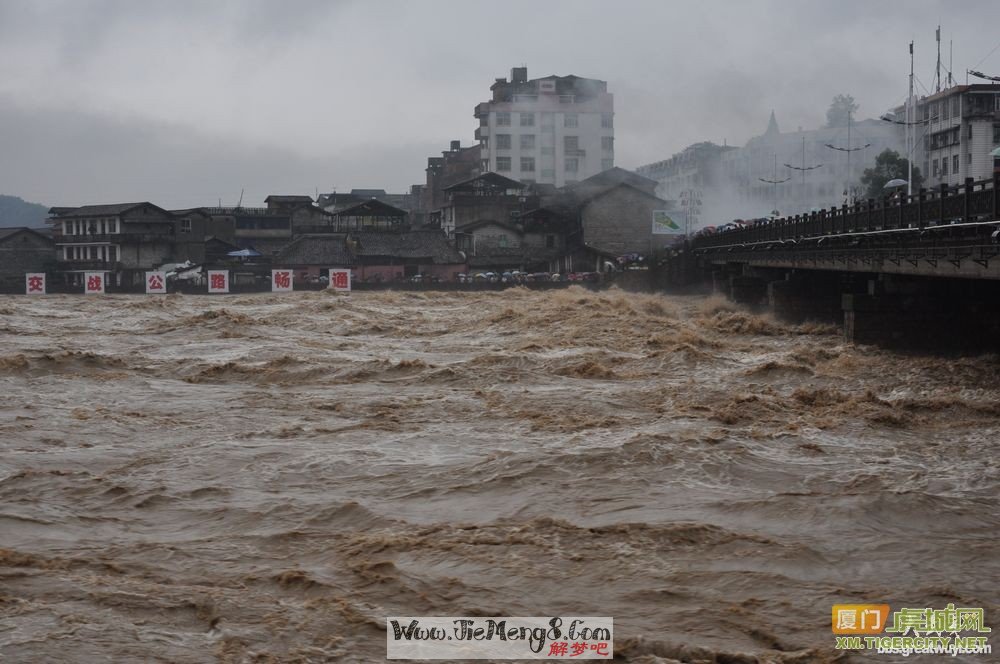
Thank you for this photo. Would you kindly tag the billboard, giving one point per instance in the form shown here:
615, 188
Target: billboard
664, 225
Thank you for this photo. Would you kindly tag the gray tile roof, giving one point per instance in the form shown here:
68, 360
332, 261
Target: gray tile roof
106, 210
314, 249
432, 244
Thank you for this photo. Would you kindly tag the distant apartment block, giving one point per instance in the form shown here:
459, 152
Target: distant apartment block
554, 130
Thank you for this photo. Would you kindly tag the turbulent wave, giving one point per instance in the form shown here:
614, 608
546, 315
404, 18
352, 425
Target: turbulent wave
267, 477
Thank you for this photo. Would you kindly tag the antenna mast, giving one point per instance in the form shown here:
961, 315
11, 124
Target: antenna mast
937, 79
909, 130
951, 61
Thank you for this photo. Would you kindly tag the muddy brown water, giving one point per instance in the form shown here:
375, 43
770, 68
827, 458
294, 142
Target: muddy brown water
264, 478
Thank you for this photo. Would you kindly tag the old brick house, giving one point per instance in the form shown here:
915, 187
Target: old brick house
195, 229
598, 220
23, 250
486, 197
312, 256
388, 256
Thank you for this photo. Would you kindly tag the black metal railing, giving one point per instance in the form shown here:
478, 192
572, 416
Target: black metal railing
967, 203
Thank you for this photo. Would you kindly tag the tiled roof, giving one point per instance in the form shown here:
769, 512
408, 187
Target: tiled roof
431, 244
327, 249
9, 232
107, 210
371, 208
490, 178
288, 199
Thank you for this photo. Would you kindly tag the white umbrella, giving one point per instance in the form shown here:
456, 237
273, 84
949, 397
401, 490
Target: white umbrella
892, 184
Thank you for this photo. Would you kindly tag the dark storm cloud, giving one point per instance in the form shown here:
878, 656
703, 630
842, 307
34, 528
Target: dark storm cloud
294, 95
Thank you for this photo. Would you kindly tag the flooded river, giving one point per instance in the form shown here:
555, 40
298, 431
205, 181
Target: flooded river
264, 478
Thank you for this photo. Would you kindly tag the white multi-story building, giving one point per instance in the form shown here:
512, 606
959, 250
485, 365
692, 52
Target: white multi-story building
553, 130
961, 126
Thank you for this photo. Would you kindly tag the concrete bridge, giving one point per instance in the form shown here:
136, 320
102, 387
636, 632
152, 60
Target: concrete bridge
921, 269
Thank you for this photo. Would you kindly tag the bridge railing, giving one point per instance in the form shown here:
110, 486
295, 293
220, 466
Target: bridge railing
972, 201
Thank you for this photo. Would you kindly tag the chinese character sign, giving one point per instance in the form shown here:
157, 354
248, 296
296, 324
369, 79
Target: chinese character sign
340, 280
93, 283
859, 618
156, 282
218, 281
281, 281
34, 283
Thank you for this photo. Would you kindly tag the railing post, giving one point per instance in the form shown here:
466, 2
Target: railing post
996, 195
921, 198
871, 208
969, 186
843, 218
943, 195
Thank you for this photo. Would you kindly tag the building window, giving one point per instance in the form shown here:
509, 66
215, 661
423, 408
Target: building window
527, 141
527, 163
955, 109
503, 141
607, 142
607, 164
503, 119
185, 225
969, 135
485, 165
944, 166
934, 165
570, 120
503, 163
502, 240
571, 144
484, 142
607, 120
527, 119
996, 132
954, 164
970, 159
572, 165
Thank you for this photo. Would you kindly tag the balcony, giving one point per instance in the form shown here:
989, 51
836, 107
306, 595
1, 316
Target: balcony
89, 265
113, 238
91, 238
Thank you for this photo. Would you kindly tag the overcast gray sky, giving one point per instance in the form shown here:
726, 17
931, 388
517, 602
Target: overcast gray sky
185, 102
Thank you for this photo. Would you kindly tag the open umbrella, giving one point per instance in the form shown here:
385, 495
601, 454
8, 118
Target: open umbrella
892, 184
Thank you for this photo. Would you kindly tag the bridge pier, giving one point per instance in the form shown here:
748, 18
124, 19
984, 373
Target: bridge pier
799, 297
928, 315
748, 290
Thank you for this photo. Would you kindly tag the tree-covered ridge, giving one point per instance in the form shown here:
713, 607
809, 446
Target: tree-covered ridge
15, 211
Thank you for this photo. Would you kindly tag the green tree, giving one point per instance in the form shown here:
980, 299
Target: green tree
889, 165
840, 108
